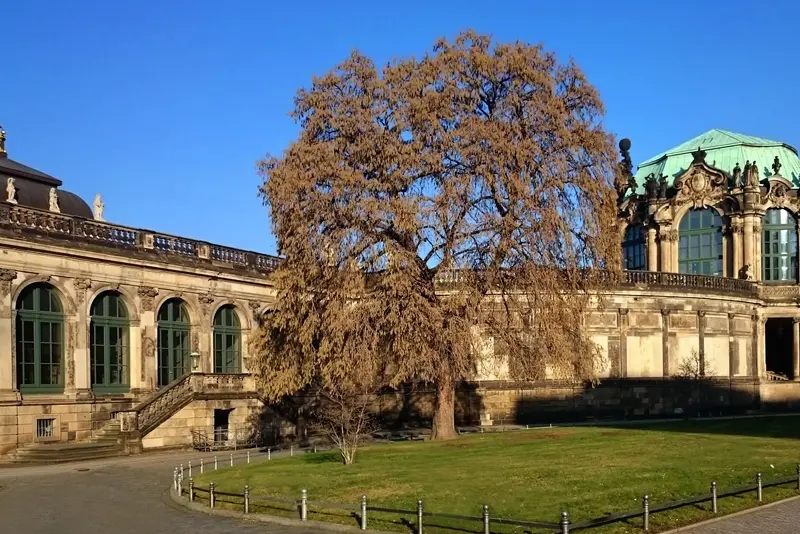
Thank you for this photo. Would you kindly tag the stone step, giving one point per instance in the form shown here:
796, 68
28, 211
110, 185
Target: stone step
76, 458
65, 452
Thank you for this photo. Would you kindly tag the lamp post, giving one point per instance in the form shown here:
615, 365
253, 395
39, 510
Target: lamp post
195, 361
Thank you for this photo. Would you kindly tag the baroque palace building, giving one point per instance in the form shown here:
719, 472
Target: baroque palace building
104, 326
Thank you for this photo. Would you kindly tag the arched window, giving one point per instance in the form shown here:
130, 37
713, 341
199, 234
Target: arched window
174, 345
700, 247
109, 343
779, 246
227, 341
40, 340
633, 248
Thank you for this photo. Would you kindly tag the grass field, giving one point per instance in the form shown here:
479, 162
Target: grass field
534, 474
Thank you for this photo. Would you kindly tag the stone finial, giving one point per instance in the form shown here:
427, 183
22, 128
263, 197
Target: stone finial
662, 187
651, 187
3, 152
776, 166
699, 156
98, 207
11, 191
54, 201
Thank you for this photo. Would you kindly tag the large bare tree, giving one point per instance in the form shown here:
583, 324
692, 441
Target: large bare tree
432, 210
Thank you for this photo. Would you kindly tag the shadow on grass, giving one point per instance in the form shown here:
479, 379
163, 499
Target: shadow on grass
323, 458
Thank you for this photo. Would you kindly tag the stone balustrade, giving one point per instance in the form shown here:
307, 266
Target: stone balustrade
16, 220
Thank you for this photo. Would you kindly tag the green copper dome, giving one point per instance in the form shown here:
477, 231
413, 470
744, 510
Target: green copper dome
723, 151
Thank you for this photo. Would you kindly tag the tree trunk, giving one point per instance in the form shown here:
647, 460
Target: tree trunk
444, 426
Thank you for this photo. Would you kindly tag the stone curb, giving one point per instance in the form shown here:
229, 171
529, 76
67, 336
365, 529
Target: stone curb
264, 518
689, 528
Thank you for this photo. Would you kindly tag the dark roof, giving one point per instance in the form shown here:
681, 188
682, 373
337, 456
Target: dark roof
18, 170
36, 194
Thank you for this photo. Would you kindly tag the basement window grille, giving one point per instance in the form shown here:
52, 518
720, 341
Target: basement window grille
45, 428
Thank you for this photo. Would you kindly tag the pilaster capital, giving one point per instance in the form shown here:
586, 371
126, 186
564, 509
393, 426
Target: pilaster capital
701, 313
7, 275
665, 312
796, 320
146, 296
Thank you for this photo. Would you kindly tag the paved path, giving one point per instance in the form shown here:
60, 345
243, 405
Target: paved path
123, 496
781, 518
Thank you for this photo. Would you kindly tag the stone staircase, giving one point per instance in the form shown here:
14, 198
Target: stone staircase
106, 443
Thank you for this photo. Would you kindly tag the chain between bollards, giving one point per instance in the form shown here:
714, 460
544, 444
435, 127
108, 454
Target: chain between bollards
485, 519
191, 489
363, 512
758, 487
211, 498
303, 505
646, 516
247, 499
714, 496
419, 516
564, 523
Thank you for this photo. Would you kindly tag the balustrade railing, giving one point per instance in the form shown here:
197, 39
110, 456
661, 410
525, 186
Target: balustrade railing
115, 236
690, 281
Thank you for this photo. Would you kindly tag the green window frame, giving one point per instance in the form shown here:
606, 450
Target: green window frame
779, 246
40, 340
109, 344
700, 245
633, 251
174, 343
227, 341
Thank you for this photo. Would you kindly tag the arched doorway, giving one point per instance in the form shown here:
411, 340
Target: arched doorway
40, 340
109, 343
227, 341
174, 341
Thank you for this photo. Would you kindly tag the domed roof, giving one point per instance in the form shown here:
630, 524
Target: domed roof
33, 189
723, 151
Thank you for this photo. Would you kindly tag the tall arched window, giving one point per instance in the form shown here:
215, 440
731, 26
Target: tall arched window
700, 247
40, 340
779, 246
109, 343
227, 341
633, 248
174, 345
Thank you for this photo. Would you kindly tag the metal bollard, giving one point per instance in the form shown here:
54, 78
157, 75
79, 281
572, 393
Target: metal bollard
303, 505
419, 516
231, 459
180, 474
201, 466
215, 462
191, 489
798, 477
175, 479
190, 469
485, 519
211, 498
180, 486
247, 499
363, 512
758, 486
248, 457
291, 450
646, 516
564, 523
315, 448
269, 453
714, 497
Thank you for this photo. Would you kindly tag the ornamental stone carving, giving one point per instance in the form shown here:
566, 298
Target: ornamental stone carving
11, 191
206, 301
148, 349
6, 277
146, 296
255, 306
81, 285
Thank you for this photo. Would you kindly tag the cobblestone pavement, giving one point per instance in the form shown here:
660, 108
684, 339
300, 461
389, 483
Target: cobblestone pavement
123, 496
781, 518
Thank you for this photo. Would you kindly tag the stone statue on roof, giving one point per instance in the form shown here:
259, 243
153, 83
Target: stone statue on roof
2, 140
98, 207
54, 201
11, 191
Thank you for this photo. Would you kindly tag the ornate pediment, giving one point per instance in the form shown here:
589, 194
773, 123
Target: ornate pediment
779, 192
700, 184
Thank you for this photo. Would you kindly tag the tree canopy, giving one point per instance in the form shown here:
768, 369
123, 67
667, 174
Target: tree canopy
434, 208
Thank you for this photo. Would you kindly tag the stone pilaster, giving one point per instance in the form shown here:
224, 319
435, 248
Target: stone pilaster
652, 250
757, 271
146, 378
737, 232
796, 349
665, 249
623, 342
80, 352
665, 343
749, 249
701, 343
8, 384
733, 349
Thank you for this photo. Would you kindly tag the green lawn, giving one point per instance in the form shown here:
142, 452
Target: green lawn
534, 474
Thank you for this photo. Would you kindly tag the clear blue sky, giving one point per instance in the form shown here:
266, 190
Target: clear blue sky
164, 106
